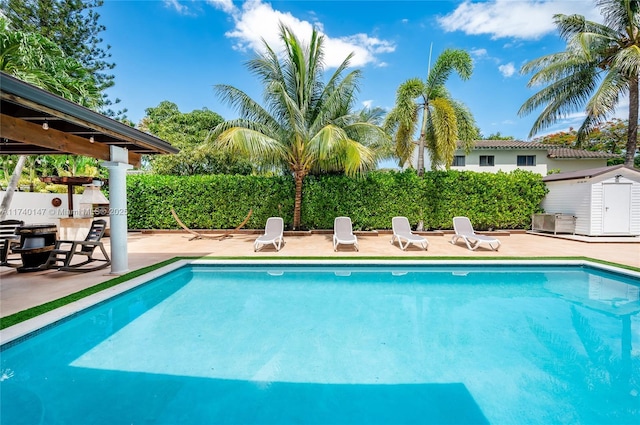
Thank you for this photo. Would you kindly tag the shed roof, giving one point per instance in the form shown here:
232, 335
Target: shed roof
70, 129
583, 174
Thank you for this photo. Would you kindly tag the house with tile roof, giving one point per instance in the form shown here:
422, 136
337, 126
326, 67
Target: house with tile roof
508, 155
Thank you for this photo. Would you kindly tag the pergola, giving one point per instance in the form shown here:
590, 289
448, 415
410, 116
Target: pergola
36, 122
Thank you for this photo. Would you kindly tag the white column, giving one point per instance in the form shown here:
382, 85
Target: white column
118, 167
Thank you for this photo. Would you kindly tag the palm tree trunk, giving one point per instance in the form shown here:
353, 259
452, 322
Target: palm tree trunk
297, 204
421, 141
632, 135
11, 188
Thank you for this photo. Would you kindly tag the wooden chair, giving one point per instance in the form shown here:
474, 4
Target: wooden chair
86, 248
8, 237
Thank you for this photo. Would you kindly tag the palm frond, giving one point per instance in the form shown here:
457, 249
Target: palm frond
214, 133
619, 14
266, 67
406, 105
248, 108
397, 125
561, 98
551, 68
430, 141
607, 96
627, 61
326, 141
571, 25
335, 103
599, 64
467, 128
250, 143
447, 62
445, 130
371, 136
339, 152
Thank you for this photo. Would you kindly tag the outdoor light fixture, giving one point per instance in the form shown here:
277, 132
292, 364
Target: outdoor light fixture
45, 125
92, 195
91, 139
617, 177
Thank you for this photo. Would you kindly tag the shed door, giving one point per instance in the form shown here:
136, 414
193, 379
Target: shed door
617, 204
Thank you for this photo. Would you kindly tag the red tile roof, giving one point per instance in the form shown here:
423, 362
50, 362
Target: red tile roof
553, 151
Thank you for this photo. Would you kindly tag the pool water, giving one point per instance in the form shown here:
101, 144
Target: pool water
337, 345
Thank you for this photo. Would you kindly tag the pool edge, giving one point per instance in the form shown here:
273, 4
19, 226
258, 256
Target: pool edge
23, 329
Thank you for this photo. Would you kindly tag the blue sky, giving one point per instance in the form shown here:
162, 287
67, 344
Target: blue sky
178, 50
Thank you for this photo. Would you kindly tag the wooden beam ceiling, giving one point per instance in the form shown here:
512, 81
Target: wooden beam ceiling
33, 134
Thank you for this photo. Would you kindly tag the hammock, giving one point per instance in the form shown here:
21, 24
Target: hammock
197, 235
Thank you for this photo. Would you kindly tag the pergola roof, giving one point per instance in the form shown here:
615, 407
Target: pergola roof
72, 129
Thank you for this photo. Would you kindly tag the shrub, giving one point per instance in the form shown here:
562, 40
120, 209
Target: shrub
502, 200
207, 201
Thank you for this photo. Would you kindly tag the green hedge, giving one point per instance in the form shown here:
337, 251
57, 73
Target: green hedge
207, 202
501, 201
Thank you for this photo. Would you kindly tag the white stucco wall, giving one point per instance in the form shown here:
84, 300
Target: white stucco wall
505, 160
567, 165
37, 208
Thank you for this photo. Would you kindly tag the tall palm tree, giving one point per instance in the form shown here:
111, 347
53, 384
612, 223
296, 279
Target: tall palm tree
600, 65
306, 124
444, 120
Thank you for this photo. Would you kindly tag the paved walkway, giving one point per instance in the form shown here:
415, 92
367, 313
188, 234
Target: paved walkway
19, 291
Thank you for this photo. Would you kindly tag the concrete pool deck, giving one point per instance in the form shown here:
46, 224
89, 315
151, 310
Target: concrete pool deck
20, 291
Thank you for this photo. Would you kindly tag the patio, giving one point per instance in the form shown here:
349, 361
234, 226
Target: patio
20, 291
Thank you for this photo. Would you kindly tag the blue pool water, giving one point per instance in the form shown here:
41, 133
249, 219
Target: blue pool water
340, 345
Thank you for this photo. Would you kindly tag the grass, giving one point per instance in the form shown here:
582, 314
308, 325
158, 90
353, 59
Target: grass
30, 313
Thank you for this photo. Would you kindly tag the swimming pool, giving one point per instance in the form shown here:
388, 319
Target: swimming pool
393, 343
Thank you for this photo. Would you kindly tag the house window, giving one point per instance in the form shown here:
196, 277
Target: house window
487, 160
526, 160
458, 161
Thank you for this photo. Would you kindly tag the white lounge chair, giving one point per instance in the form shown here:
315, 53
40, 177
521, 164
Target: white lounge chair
402, 232
463, 228
273, 232
343, 233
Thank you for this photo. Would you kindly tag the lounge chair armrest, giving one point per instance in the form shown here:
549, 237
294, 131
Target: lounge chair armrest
88, 243
61, 241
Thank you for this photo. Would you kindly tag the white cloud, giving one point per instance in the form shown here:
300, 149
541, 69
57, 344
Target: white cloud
526, 19
256, 21
179, 7
224, 5
479, 53
507, 69
367, 103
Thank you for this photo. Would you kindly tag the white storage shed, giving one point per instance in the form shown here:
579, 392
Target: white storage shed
605, 201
